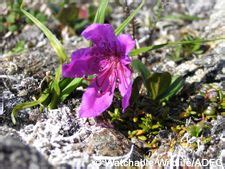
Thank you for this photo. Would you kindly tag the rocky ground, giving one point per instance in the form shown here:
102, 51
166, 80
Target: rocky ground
59, 139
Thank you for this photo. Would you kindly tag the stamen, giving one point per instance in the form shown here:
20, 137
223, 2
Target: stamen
100, 91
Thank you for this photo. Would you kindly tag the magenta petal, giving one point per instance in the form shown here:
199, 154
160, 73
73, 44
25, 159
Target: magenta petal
125, 84
97, 98
125, 60
93, 103
83, 63
103, 37
98, 33
124, 75
127, 42
126, 97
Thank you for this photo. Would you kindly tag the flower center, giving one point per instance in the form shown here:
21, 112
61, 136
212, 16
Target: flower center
107, 78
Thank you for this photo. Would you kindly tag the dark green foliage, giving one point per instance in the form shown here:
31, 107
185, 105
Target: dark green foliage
157, 84
160, 86
141, 69
136, 87
175, 87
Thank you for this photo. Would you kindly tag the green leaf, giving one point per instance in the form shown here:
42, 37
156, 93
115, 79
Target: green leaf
55, 88
11, 18
136, 52
158, 83
41, 17
122, 26
2, 28
182, 17
182, 51
136, 87
54, 100
55, 43
25, 105
174, 88
57, 80
19, 48
142, 138
20, 107
64, 82
70, 88
195, 130
176, 55
100, 15
141, 69
13, 28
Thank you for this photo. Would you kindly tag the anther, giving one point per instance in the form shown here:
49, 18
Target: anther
100, 91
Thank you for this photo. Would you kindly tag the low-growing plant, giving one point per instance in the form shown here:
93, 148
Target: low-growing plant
185, 51
195, 130
160, 86
15, 20
145, 126
199, 130
19, 48
58, 89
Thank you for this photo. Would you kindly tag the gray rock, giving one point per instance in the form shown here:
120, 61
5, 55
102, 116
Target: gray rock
208, 67
15, 155
201, 8
5, 131
67, 140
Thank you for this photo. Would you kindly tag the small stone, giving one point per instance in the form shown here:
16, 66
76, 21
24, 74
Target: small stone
109, 142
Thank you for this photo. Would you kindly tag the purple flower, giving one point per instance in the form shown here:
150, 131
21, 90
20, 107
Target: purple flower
108, 60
